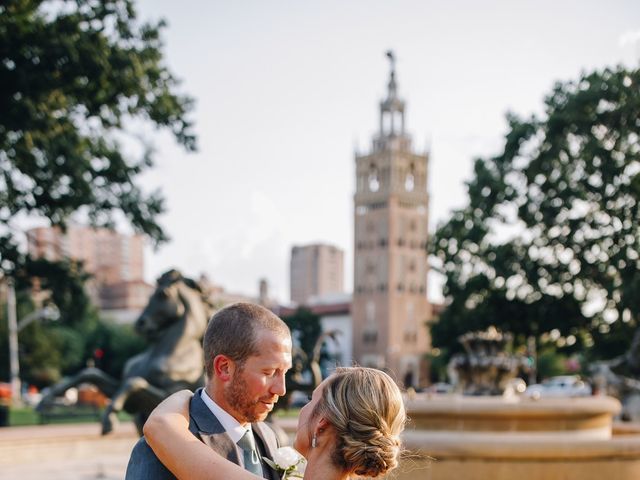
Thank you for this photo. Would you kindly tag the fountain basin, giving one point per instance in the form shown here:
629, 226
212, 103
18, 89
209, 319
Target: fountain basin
580, 417
519, 438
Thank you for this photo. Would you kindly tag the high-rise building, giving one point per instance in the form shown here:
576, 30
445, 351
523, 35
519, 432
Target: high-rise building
316, 270
390, 306
115, 261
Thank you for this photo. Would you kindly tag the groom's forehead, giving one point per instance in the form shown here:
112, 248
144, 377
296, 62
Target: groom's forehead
266, 355
270, 347
272, 339
282, 362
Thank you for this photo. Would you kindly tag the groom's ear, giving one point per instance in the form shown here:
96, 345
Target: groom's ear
223, 367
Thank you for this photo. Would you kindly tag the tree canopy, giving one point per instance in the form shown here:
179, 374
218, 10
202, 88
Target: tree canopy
549, 242
308, 328
74, 75
77, 79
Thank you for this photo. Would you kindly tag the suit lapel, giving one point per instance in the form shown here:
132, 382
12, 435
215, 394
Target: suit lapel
268, 440
205, 425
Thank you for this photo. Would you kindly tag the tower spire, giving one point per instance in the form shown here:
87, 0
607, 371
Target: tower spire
392, 75
392, 133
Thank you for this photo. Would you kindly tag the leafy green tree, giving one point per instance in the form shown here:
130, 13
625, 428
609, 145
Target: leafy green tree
438, 362
550, 238
110, 346
550, 363
45, 349
75, 77
65, 281
306, 325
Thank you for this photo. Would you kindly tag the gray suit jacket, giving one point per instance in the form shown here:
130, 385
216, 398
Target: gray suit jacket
144, 464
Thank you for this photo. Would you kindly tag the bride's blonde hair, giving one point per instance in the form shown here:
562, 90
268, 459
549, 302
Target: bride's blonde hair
365, 407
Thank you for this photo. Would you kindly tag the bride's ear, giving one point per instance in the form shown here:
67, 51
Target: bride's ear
322, 425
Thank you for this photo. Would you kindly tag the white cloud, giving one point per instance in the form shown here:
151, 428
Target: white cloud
629, 38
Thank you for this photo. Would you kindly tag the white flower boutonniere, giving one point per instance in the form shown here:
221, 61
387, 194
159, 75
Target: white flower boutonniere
287, 462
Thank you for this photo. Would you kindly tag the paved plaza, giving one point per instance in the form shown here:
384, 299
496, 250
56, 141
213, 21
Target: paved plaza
69, 452
72, 452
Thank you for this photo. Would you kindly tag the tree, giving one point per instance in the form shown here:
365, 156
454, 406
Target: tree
47, 349
549, 243
74, 75
111, 345
306, 325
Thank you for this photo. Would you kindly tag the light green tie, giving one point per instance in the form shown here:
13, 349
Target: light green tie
251, 458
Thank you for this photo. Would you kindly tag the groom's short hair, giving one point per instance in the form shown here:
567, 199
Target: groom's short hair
233, 330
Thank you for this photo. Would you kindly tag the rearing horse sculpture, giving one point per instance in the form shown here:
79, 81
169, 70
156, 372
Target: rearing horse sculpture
173, 322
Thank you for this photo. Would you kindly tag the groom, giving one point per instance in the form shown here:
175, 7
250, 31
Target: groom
247, 351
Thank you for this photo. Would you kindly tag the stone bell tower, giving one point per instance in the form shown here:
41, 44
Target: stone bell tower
390, 306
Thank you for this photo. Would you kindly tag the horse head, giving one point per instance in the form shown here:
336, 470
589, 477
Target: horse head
164, 307
174, 298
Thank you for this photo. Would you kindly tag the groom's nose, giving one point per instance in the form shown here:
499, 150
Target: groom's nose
278, 387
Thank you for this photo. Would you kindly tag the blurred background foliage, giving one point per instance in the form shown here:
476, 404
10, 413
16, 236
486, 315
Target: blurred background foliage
548, 245
75, 76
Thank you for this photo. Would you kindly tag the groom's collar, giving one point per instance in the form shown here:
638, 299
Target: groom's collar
208, 428
204, 421
233, 428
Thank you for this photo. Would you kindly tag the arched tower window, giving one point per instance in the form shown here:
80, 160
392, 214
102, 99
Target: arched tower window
374, 182
410, 179
371, 314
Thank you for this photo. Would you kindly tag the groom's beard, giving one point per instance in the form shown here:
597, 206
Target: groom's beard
249, 409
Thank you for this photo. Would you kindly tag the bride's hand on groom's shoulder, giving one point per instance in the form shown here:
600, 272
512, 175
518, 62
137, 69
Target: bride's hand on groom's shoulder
172, 412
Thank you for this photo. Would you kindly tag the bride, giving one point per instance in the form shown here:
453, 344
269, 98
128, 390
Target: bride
351, 427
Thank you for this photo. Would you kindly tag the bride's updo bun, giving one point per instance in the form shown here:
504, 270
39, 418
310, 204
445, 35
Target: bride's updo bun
365, 407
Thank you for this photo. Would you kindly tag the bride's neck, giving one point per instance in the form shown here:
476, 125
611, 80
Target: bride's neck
321, 467
323, 470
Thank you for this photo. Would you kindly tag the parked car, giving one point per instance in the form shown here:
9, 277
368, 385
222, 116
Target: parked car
560, 386
298, 399
440, 388
515, 386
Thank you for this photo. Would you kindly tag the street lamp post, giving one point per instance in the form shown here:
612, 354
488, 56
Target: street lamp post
532, 353
50, 313
14, 362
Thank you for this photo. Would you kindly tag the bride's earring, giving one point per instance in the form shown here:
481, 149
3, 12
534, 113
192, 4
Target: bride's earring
314, 441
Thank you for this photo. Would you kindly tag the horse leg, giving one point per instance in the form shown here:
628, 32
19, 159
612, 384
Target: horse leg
131, 386
106, 384
140, 419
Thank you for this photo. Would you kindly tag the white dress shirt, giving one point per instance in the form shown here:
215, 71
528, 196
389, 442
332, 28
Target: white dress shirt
233, 428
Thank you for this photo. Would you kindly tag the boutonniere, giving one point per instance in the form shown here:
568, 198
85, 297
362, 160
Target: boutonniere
287, 462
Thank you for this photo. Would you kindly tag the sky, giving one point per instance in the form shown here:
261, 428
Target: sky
287, 91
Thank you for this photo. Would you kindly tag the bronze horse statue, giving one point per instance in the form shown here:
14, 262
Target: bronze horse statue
173, 322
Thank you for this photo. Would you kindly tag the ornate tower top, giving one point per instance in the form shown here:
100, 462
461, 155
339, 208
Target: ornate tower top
392, 102
392, 133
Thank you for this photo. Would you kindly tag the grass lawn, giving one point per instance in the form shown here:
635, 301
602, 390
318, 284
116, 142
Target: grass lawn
28, 416
21, 416
287, 413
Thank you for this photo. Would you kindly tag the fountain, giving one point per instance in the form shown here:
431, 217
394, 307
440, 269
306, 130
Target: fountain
473, 437
485, 367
